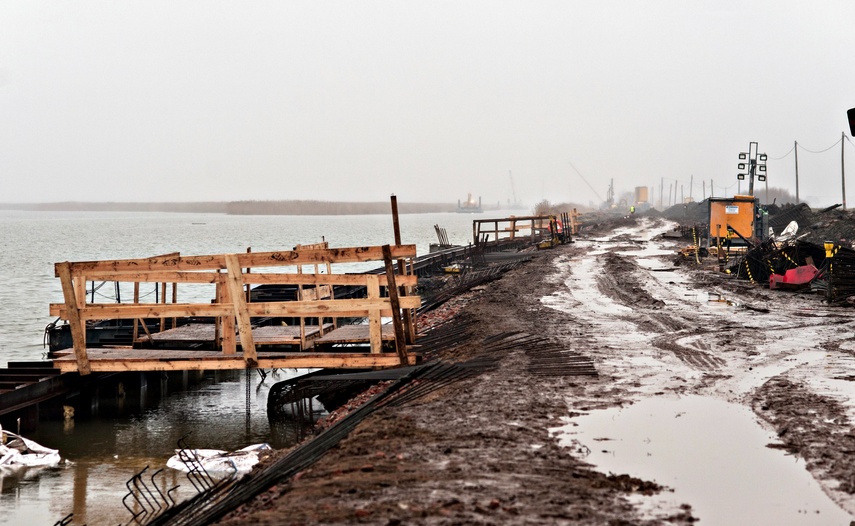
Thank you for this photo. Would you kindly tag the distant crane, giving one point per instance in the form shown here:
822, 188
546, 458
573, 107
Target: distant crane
610, 195
513, 190
586, 181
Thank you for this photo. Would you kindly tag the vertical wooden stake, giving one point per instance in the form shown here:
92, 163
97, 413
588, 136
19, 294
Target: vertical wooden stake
227, 323
234, 280
136, 320
402, 270
302, 319
375, 333
392, 287
78, 328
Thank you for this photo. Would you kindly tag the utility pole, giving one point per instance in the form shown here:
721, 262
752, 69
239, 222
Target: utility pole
691, 185
796, 149
711, 188
670, 192
661, 192
704, 196
842, 168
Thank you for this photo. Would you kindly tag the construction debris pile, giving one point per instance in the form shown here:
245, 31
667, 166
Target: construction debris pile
808, 250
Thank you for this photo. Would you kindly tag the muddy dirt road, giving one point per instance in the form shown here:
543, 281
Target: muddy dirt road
715, 400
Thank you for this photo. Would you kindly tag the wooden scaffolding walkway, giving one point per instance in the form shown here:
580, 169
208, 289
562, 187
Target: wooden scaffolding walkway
237, 339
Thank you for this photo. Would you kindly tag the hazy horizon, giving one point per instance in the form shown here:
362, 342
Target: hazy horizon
353, 101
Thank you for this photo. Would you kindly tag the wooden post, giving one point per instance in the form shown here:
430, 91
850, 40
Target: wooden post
78, 328
408, 315
375, 335
174, 300
136, 320
400, 343
227, 323
302, 319
248, 270
234, 280
163, 300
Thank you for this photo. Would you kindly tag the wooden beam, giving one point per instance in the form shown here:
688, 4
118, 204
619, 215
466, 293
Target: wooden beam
400, 343
265, 361
275, 278
329, 308
78, 328
235, 287
254, 259
375, 336
227, 322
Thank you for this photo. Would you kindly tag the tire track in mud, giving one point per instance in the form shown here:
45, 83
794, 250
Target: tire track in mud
621, 282
695, 357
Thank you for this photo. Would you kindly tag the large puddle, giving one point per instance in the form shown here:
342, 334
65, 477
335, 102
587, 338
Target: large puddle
713, 455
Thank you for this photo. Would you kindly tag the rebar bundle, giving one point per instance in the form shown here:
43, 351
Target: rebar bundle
838, 281
770, 257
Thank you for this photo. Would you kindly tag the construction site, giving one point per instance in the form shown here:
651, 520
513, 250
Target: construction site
652, 367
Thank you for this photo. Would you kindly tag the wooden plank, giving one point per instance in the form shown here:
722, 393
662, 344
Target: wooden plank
340, 308
354, 334
200, 361
235, 287
397, 322
78, 329
374, 331
270, 278
226, 324
158, 276
206, 333
318, 293
144, 310
313, 246
254, 259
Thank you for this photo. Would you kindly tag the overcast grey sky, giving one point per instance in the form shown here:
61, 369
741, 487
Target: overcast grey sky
205, 100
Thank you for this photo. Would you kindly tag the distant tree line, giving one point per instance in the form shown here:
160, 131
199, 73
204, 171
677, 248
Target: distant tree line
299, 208
78, 206
239, 207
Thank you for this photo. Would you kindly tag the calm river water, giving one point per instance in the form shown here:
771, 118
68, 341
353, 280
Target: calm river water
104, 452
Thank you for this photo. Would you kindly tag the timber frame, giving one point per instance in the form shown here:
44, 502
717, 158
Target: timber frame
233, 275
515, 227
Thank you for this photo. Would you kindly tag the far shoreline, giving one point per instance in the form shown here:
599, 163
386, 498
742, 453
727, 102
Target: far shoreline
289, 207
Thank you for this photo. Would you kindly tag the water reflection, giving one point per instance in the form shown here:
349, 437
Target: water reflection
712, 453
133, 424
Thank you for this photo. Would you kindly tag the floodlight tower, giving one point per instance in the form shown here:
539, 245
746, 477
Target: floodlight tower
754, 164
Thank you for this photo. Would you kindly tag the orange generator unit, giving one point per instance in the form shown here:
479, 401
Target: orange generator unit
731, 219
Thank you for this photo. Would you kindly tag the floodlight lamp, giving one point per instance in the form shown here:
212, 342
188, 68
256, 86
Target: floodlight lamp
763, 157
761, 167
761, 178
743, 155
741, 177
741, 166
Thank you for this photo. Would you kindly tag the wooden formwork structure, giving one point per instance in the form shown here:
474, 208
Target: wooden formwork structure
232, 275
511, 228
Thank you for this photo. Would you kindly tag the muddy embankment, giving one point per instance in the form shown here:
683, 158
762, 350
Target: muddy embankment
507, 446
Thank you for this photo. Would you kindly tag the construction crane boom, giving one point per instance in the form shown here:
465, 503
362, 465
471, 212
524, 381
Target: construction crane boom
513, 190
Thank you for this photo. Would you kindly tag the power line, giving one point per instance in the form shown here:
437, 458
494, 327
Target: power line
820, 151
785, 155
